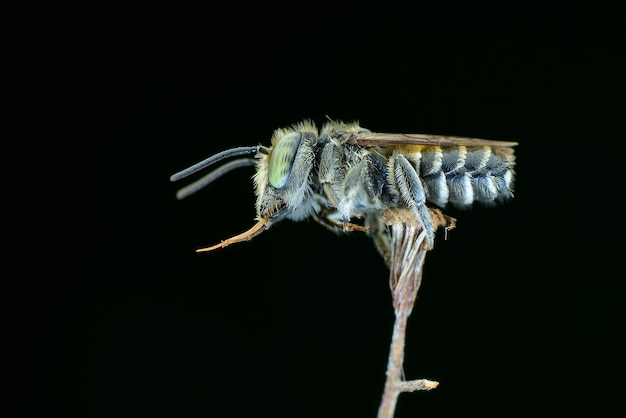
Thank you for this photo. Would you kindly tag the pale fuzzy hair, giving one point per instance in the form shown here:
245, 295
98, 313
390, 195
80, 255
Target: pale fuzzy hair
304, 126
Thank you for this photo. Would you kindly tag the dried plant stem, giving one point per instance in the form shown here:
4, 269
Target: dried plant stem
401, 239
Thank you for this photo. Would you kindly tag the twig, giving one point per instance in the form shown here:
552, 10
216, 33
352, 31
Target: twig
401, 240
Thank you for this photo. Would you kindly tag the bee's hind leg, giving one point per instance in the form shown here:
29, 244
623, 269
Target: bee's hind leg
412, 193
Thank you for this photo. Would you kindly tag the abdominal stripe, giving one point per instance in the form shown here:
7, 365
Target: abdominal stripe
461, 175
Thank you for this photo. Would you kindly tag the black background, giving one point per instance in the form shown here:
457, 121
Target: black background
521, 309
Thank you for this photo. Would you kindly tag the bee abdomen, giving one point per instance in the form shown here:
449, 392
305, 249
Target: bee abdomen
464, 175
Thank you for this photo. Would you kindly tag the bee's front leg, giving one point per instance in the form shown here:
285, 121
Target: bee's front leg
331, 173
325, 218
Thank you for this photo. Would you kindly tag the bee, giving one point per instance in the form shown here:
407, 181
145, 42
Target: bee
344, 173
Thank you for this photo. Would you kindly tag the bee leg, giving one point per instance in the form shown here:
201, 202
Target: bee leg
331, 173
325, 220
412, 193
349, 226
330, 194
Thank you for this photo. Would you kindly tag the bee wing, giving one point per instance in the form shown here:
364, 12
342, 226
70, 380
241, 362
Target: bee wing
372, 139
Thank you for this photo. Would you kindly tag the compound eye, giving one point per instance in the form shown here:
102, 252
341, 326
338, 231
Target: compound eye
282, 158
